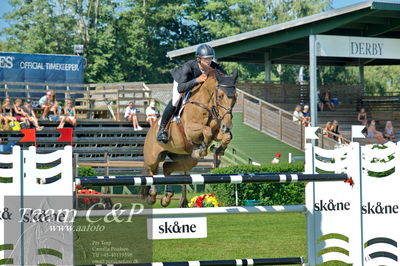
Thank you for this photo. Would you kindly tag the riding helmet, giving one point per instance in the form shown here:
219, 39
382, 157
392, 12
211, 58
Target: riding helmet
205, 51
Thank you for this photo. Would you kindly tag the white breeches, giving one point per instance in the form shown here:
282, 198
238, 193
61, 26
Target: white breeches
176, 96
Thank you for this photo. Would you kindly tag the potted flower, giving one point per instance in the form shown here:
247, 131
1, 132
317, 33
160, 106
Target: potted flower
205, 200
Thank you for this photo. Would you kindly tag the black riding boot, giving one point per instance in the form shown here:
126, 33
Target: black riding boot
162, 135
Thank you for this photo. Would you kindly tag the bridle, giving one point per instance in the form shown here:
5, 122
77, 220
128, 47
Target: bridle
213, 111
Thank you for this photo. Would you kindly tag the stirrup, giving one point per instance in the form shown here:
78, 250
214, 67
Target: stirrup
162, 136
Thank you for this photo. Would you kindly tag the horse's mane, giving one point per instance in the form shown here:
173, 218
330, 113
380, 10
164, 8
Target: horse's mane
203, 86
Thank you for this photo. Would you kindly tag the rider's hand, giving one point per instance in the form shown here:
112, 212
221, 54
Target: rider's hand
201, 78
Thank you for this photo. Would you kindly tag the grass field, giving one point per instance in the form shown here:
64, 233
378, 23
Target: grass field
257, 145
230, 236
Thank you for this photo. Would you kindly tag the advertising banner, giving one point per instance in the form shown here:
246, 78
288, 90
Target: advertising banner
41, 68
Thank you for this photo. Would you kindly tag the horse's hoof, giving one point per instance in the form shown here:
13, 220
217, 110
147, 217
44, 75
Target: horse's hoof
166, 200
152, 197
183, 204
220, 151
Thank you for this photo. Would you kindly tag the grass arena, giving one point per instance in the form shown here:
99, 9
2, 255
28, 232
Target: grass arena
279, 233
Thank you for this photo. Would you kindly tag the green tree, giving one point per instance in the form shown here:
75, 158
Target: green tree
40, 26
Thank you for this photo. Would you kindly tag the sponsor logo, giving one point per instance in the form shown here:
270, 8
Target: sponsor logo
331, 206
176, 227
379, 208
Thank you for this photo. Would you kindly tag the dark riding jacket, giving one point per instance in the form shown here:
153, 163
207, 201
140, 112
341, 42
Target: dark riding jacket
186, 74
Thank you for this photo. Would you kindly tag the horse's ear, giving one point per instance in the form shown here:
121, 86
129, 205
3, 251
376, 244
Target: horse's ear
235, 74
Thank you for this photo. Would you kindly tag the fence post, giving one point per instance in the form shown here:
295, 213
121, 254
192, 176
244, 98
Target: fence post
261, 118
28, 94
301, 137
280, 125
118, 116
6, 88
243, 107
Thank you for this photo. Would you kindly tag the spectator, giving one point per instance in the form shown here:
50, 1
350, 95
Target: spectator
69, 115
335, 129
327, 129
54, 113
276, 158
19, 113
130, 115
389, 132
45, 103
362, 117
373, 133
31, 116
297, 115
8, 110
152, 113
306, 116
327, 99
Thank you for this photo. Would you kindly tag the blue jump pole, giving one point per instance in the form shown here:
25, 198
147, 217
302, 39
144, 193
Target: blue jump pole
204, 179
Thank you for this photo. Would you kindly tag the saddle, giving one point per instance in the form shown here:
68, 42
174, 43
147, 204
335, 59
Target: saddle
176, 118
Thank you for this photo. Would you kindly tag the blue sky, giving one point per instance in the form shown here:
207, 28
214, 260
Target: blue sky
5, 7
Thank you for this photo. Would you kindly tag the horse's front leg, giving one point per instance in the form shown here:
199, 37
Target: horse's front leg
199, 133
184, 202
225, 139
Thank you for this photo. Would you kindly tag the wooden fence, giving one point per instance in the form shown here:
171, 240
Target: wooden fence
276, 122
295, 94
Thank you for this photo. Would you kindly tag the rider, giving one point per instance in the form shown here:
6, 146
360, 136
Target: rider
185, 78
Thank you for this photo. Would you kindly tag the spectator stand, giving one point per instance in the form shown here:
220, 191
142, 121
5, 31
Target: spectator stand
91, 100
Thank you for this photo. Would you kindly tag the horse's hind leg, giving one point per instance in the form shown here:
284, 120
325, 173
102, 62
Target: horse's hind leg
182, 163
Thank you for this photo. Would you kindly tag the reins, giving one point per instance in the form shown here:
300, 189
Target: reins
213, 111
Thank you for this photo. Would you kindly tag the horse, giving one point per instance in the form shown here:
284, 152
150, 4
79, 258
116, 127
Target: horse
206, 116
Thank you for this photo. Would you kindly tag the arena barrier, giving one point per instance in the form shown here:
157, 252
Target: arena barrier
355, 224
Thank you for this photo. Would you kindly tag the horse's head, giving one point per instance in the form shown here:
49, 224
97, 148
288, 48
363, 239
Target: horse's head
225, 99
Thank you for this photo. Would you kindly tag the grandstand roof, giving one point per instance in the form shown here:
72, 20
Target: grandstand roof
288, 43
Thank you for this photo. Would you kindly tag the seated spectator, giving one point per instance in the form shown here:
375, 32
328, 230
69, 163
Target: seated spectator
8, 110
327, 129
152, 113
306, 116
45, 104
130, 115
335, 129
389, 132
54, 113
31, 116
362, 117
69, 115
327, 99
19, 113
373, 133
297, 115
276, 158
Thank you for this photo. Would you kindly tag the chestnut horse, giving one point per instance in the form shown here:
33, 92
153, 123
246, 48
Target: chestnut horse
206, 116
